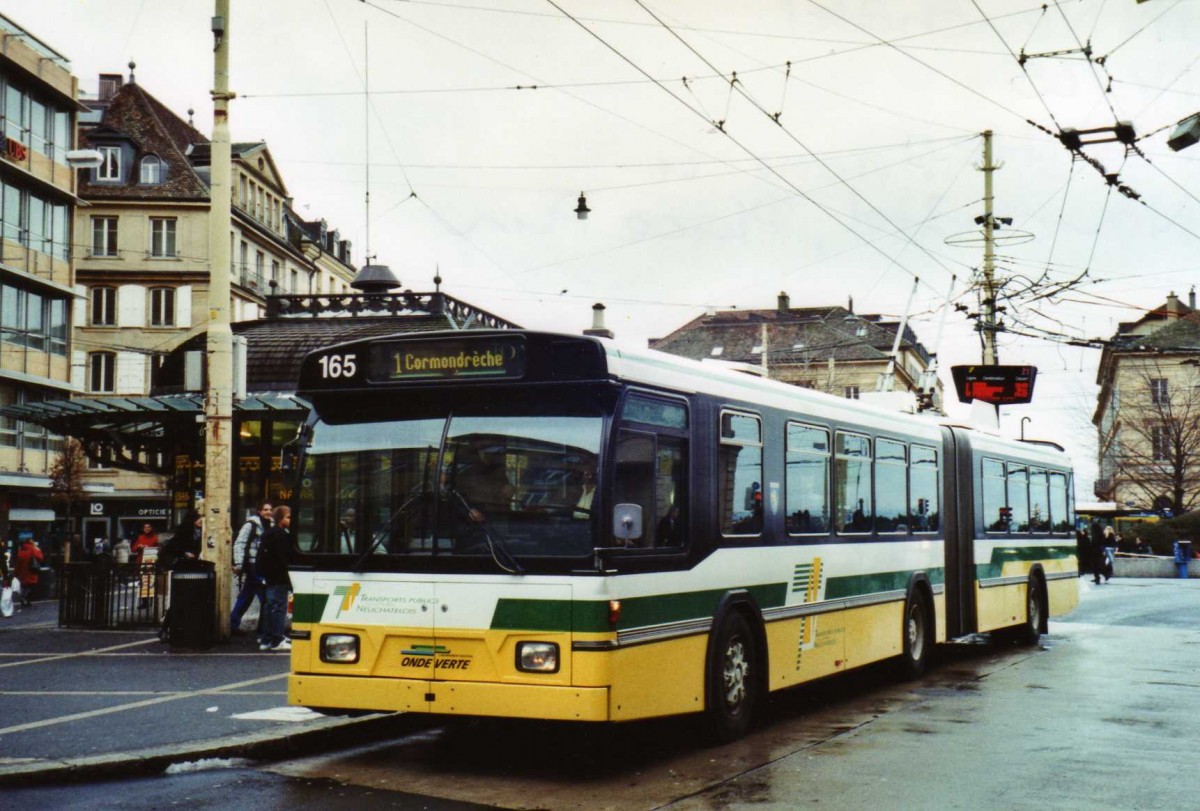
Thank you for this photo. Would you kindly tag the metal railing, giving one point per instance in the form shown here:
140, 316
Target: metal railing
111, 595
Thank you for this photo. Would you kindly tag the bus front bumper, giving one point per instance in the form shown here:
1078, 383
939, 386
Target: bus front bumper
547, 702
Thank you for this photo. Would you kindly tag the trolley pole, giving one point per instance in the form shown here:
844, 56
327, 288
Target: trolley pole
218, 397
987, 319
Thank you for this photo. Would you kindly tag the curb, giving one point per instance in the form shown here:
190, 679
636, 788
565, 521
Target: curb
321, 735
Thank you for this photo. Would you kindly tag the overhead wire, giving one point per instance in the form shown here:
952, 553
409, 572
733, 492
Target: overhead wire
796, 140
735, 141
924, 64
1028, 78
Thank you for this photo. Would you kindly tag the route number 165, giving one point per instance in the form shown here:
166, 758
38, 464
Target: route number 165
337, 365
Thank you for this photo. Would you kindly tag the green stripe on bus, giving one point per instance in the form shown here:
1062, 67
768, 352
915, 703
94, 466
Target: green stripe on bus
858, 585
1011, 554
591, 616
308, 607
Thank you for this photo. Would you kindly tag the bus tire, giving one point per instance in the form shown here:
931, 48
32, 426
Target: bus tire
1031, 631
917, 634
733, 679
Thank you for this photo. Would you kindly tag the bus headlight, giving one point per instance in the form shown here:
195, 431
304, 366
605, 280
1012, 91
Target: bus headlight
339, 648
537, 657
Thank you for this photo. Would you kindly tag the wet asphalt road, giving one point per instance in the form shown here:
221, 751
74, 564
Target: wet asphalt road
1099, 716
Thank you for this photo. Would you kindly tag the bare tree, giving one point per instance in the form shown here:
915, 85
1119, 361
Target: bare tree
1159, 434
66, 475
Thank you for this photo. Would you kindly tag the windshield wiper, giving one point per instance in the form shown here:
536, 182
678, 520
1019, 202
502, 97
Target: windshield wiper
495, 545
386, 530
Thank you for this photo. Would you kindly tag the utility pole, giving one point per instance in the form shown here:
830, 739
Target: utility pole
218, 396
987, 319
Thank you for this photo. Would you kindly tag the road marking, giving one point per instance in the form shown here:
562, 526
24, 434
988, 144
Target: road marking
223, 689
54, 657
291, 714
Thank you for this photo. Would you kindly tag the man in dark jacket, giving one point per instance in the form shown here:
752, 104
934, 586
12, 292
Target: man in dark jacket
274, 556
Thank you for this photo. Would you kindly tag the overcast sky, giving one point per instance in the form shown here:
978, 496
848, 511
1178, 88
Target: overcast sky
850, 173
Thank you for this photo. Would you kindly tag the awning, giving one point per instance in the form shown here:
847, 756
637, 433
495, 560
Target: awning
29, 514
126, 427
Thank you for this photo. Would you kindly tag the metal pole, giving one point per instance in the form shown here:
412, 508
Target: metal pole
218, 398
988, 318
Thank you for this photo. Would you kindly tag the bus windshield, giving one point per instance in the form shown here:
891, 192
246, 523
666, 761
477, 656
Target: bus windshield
453, 485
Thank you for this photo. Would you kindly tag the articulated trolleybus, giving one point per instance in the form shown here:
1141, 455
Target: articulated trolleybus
523, 524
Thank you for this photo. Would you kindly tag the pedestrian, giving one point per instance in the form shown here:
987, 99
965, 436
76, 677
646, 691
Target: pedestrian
147, 540
1082, 552
1096, 553
185, 545
29, 558
274, 556
245, 556
1111, 540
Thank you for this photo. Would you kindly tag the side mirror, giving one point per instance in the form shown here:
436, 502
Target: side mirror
627, 522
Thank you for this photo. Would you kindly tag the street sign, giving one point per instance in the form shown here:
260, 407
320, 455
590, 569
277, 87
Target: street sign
998, 385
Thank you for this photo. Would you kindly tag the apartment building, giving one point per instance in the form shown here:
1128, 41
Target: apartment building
1147, 413
141, 278
38, 110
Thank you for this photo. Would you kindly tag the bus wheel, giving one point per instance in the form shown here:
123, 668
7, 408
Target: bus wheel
733, 680
1031, 631
918, 636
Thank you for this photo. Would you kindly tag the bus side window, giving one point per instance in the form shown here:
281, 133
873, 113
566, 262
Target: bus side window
739, 475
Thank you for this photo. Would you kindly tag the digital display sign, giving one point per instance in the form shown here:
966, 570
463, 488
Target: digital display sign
495, 357
998, 385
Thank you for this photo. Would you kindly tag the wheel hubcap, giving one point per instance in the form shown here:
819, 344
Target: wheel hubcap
737, 669
916, 632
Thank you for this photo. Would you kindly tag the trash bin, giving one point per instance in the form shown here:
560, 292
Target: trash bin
1183, 554
191, 617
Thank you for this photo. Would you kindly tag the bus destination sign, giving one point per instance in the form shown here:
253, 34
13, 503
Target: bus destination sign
491, 358
998, 385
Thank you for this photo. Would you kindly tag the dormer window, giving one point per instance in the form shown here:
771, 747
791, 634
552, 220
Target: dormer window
110, 165
151, 170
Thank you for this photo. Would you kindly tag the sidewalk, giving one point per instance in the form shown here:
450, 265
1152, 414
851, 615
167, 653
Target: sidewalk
84, 705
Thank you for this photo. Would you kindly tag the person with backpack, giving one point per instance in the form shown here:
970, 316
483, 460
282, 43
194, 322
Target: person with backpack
274, 557
245, 559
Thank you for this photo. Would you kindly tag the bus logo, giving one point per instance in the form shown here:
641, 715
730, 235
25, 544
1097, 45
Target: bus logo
348, 594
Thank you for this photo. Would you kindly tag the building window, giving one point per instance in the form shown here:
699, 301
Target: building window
162, 236
1160, 441
12, 315
151, 170
104, 306
275, 280
58, 326
851, 392
162, 306
110, 165
8, 425
295, 286
16, 113
104, 236
102, 372
1158, 391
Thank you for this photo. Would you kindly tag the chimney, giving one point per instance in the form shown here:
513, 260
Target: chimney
1192, 298
850, 304
1173, 305
785, 303
110, 83
598, 329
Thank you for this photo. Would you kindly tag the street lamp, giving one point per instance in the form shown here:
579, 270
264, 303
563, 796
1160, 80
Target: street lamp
581, 210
